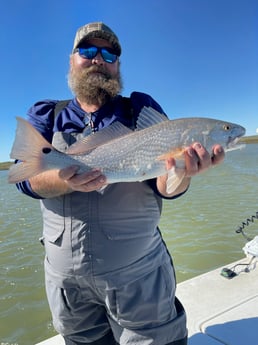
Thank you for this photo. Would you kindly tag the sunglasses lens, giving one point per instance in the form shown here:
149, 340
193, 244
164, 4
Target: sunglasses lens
88, 53
108, 56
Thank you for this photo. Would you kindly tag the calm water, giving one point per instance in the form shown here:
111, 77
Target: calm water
199, 229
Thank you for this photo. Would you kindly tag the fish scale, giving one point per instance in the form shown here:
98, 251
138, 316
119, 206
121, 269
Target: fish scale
137, 156
121, 154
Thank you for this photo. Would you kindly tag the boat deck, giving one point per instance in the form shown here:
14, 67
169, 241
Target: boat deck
219, 310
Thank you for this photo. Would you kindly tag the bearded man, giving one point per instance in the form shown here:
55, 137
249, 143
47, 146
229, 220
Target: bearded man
109, 276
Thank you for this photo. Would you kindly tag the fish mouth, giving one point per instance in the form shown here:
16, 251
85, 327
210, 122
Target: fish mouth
235, 144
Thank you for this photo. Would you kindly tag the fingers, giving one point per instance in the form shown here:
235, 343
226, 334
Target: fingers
218, 155
85, 182
67, 173
198, 159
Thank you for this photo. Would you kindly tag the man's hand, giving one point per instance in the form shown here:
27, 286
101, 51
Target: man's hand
85, 182
197, 160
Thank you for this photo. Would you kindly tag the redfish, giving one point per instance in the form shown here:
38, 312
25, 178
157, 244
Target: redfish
124, 155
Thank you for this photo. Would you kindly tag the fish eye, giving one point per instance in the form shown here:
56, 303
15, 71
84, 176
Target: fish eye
46, 150
226, 127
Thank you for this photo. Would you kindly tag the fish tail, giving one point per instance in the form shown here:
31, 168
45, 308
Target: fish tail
27, 148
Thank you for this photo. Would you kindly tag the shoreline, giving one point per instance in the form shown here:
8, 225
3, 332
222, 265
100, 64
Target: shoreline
5, 165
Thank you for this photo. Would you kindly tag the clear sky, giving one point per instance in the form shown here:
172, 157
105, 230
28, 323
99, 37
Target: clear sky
195, 57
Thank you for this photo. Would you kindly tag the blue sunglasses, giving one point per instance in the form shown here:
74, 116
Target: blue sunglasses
92, 51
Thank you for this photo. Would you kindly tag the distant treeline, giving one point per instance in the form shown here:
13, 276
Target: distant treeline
252, 139
5, 165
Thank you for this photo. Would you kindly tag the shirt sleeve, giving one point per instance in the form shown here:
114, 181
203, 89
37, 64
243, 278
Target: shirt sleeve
41, 116
153, 184
140, 99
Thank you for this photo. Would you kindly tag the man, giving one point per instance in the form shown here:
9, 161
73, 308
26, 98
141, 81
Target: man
109, 277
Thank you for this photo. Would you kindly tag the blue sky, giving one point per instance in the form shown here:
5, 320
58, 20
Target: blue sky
195, 57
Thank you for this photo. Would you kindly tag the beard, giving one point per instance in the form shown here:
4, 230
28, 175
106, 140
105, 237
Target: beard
94, 85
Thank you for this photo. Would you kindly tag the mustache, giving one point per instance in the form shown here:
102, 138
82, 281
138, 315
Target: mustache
98, 69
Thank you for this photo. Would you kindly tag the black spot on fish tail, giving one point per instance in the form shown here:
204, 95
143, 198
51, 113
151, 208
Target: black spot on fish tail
46, 150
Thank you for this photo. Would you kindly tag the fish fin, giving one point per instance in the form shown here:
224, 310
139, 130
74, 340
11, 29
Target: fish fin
149, 117
103, 189
175, 177
27, 147
22, 171
177, 172
89, 143
177, 153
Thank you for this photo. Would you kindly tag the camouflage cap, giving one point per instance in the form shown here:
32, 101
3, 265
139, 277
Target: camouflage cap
97, 30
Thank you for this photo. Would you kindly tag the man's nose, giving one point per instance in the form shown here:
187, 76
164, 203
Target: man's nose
98, 60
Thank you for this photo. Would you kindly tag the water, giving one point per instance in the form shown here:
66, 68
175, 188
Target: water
199, 229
